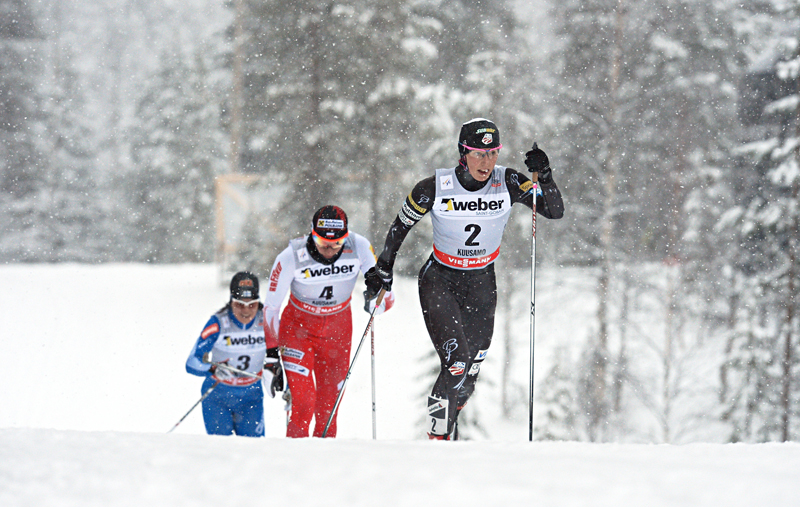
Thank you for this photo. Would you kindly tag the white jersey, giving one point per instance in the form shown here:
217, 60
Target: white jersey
315, 288
468, 226
242, 348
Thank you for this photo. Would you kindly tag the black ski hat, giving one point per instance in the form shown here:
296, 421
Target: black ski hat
244, 285
478, 133
330, 222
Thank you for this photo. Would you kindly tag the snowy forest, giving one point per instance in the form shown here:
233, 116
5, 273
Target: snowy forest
671, 125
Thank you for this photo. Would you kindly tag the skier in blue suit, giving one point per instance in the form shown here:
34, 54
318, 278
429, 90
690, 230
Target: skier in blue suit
235, 336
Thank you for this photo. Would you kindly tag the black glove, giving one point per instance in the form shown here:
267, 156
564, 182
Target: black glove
377, 278
273, 366
537, 162
277, 381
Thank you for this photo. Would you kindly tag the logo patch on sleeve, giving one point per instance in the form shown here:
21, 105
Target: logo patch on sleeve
274, 277
457, 368
422, 200
209, 330
293, 353
296, 368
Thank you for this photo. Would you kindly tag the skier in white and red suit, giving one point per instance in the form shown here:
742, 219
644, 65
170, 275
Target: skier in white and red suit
315, 330
469, 205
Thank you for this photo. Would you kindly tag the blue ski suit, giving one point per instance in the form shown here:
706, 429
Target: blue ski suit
236, 405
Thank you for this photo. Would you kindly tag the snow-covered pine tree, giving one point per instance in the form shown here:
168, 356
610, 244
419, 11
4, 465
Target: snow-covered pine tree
327, 94
558, 395
686, 124
179, 148
74, 221
648, 110
327, 89
600, 49
358, 101
761, 375
22, 130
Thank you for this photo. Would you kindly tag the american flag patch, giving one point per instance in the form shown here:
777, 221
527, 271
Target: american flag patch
209, 330
457, 368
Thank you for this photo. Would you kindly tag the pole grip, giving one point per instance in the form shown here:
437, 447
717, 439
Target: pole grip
379, 300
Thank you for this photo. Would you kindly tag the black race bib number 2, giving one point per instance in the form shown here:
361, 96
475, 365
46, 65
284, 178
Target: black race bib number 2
476, 229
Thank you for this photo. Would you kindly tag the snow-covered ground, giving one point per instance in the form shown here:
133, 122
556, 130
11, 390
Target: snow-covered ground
94, 377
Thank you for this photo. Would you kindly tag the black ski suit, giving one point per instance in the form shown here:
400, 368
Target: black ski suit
457, 288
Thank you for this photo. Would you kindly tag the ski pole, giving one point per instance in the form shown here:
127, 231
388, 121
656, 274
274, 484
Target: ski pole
287, 397
287, 394
350, 369
224, 366
205, 394
535, 190
231, 369
374, 415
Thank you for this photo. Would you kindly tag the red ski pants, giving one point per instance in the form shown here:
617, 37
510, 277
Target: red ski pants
315, 358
